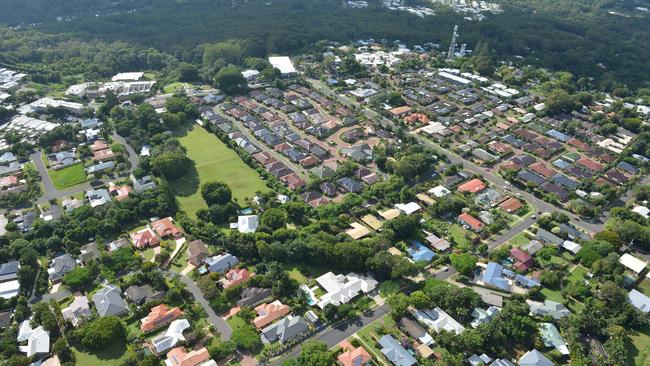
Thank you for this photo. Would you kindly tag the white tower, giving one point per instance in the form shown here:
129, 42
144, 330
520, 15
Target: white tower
452, 46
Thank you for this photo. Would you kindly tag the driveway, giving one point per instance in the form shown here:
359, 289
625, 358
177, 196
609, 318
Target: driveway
134, 158
510, 233
334, 335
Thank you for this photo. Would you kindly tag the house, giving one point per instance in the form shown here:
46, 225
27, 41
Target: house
639, 301
234, 277
408, 208
390, 214
6, 318
143, 184
552, 308
159, 316
633, 263
108, 301
98, 197
415, 331
171, 337
89, 253
144, 238
98, 168
9, 289
511, 205
166, 228
120, 192
284, 330
471, 222
372, 221
552, 338
353, 356
472, 186
482, 316
438, 243
357, 231
142, 294
70, 204
197, 251
221, 263
246, 224
78, 311
395, 353
533, 247
483, 359
59, 266
9, 271
251, 296
493, 276
420, 253
268, 313
522, 260
438, 320
547, 237
534, 358
350, 185
341, 289
180, 357
38, 339
439, 191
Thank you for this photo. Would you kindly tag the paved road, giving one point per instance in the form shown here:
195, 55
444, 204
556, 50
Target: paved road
333, 336
510, 233
540, 205
51, 192
218, 322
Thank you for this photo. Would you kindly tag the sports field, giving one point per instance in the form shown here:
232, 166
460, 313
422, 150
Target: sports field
214, 162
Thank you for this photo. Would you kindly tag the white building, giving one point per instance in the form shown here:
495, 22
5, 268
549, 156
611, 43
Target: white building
171, 337
128, 76
408, 208
246, 223
38, 339
438, 320
284, 64
341, 289
633, 263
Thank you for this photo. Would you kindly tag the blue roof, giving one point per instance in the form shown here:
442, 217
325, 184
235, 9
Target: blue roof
395, 352
526, 281
562, 164
493, 276
419, 252
558, 135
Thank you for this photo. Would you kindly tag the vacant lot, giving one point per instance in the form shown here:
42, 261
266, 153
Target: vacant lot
68, 176
214, 162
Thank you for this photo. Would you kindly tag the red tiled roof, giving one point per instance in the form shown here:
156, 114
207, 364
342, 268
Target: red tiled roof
472, 186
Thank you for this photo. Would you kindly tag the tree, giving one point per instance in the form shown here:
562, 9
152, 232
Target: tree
188, 72
315, 354
420, 300
230, 80
274, 218
464, 263
216, 193
79, 278
102, 331
171, 164
398, 305
246, 338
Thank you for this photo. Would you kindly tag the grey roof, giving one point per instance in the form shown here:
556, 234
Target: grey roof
552, 308
89, 252
100, 167
9, 270
61, 265
548, 237
534, 358
528, 176
251, 296
395, 353
563, 180
108, 301
142, 294
350, 184
639, 301
220, 263
572, 232
285, 329
627, 167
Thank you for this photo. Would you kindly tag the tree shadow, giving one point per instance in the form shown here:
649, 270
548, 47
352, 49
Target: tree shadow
112, 351
188, 184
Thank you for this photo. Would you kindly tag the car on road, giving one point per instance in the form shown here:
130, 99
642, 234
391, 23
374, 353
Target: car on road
534, 217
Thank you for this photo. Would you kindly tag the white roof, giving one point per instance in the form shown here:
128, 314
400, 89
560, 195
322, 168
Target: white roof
571, 246
434, 128
341, 289
173, 335
439, 191
283, 63
24, 331
247, 74
437, 319
38, 342
633, 263
642, 210
248, 223
128, 76
408, 208
9, 289
639, 301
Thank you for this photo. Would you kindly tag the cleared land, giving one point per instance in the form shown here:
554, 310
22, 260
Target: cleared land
214, 162
68, 176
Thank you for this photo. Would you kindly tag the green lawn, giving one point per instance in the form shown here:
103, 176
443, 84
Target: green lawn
214, 162
180, 262
457, 233
170, 88
110, 355
644, 287
236, 322
369, 333
639, 347
578, 274
519, 240
147, 254
68, 176
552, 295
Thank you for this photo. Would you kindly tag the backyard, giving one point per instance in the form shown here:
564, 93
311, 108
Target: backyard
639, 347
111, 355
68, 176
214, 162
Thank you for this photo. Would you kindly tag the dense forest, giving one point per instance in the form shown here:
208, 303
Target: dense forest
578, 36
